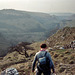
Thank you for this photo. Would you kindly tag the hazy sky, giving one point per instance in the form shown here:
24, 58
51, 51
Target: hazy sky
39, 5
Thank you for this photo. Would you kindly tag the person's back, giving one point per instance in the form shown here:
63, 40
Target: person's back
43, 56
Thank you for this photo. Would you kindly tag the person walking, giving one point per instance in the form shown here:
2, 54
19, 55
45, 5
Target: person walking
44, 61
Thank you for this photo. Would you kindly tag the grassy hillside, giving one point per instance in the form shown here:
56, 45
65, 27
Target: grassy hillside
69, 23
63, 58
62, 37
25, 21
63, 61
17, 26
3, 45
26, 24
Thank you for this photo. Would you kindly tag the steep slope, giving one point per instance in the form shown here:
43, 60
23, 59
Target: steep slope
62, 37
17, 26
30, 26
63, 61
26, 26
72, 17
4, 44
68, 21
25, 21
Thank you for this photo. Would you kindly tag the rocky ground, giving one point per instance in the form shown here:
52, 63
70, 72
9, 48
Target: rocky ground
64, 61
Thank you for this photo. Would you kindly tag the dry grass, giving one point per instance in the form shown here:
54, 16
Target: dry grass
23, 64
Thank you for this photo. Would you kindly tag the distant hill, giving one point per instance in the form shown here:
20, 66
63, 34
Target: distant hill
61, 14
26, 26
18, 26
73, 17
3, 45
30, 26
62, 37
69, 21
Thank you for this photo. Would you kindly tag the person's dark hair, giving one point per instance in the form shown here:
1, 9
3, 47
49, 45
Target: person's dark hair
43, 45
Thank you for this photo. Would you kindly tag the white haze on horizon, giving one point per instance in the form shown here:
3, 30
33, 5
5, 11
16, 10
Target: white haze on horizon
46, 6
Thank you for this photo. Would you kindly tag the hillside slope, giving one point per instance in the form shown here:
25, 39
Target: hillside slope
30, 26
14, 23
62, 37
63, 59
3, 45
17, 26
